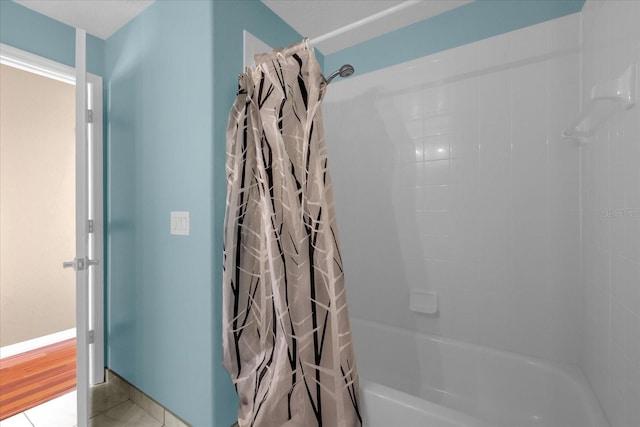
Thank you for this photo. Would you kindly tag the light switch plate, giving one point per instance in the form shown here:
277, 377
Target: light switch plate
180, 223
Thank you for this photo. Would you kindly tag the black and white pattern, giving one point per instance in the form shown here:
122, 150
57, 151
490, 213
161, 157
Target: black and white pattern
286, 333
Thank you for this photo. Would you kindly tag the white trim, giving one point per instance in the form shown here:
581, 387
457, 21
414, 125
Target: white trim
96, 301
27, 61
82, 292
32, 344
251, 47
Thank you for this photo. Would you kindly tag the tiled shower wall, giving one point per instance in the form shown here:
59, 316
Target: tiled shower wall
450, 175
611, 217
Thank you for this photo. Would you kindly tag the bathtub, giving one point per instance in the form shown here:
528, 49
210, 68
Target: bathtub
417, 380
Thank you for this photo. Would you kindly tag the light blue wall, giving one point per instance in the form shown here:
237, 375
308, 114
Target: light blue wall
172, 77
159, 71
469, 23
25, 29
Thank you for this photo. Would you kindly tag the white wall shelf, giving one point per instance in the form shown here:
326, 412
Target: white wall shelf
607, 99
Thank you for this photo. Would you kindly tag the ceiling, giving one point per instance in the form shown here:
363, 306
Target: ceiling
100, 18
311, 18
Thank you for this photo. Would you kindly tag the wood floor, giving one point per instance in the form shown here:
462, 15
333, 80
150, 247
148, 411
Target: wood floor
36, 376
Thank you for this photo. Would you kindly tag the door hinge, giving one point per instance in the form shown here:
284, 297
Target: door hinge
89, 116
90, 226
91, 338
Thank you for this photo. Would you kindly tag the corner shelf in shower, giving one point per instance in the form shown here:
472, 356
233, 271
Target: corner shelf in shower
607, 99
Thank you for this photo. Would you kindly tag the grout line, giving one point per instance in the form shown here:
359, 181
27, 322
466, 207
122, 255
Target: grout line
132, 389
28, 419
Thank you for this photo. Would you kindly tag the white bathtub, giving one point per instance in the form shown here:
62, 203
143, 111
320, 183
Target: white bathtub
418, 380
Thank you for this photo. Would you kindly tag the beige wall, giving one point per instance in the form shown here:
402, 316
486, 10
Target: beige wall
37, 205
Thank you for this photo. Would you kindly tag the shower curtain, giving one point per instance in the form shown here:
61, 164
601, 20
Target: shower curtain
286, 333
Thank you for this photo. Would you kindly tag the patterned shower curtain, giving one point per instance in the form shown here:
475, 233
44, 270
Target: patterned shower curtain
286, 334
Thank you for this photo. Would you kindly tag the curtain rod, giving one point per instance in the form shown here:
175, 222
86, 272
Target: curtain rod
362, 22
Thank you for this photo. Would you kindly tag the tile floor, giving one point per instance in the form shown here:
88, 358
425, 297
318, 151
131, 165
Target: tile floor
124, 415
61, 412
113, 404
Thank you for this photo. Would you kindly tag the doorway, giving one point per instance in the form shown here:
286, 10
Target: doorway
38, 227
37, 222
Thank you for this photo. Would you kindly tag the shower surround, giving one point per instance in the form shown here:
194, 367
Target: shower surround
452, 170
451, 176
610, 198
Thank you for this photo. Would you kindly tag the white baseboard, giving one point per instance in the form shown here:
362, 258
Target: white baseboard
21, 347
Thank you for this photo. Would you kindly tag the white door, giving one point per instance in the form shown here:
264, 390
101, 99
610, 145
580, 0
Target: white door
88, 263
